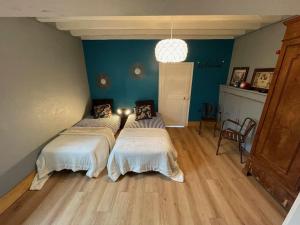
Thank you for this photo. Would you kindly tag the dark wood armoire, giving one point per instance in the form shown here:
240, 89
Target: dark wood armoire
275, 156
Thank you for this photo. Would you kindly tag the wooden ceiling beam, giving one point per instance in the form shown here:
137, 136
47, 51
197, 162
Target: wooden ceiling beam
156, 32
245, 18
85, 25
151, 37
157, 27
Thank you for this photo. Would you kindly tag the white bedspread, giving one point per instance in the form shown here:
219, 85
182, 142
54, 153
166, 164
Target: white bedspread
144, 149
78, 148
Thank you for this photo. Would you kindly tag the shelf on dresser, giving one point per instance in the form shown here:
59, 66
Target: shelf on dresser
250, 94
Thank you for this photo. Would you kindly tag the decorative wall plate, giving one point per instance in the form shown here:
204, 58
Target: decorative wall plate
137, 71
103, 81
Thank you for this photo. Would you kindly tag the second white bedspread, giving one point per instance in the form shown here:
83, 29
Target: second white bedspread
144, 149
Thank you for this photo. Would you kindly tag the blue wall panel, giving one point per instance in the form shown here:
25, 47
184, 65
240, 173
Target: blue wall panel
115, 58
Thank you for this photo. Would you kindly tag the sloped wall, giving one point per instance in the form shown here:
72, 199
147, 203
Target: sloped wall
43, 90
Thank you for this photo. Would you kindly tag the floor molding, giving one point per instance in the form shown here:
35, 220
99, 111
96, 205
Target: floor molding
13, 195
197, 123
193, 123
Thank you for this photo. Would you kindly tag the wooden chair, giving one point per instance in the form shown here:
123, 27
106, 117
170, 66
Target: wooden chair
209, 113
237, 135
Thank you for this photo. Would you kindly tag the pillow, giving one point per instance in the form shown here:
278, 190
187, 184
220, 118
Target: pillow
143, 112
102, 111
147, 102
96, 102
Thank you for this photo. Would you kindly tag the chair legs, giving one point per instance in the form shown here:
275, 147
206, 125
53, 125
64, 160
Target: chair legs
215, 128
219, 143
241, 151
200, 127
240, 148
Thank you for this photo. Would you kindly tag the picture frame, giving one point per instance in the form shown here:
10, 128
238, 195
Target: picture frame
239, 75
261, 79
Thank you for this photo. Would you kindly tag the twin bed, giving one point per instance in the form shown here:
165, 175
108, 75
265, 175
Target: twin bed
90, 145
142, 146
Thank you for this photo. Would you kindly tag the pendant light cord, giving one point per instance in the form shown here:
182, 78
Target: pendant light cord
172, 30
172, 25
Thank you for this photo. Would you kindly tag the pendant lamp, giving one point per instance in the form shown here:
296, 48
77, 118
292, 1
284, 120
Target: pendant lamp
171, 50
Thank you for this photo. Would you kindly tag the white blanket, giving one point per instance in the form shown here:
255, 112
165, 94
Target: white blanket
78, 148
144, 149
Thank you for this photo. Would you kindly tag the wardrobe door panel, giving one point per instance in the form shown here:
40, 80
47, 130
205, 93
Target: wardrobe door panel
275, 154
282, 124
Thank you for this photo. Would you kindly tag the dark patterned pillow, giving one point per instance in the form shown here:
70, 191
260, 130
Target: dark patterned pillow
102, 101
143, 112
102, 111
147, 102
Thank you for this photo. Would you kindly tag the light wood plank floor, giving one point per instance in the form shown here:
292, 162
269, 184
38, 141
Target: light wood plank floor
215, 192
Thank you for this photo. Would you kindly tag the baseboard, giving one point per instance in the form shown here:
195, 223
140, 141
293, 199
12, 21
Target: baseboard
193, 123
13, 195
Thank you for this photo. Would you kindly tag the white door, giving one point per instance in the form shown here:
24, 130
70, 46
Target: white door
175, 84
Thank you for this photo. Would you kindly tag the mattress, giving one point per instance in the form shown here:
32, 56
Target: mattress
112, 122
141, 150
155, 122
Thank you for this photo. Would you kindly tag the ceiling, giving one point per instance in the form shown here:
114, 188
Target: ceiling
158, 27
63, 8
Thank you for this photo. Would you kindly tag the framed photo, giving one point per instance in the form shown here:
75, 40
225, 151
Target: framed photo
239, 74
261, 79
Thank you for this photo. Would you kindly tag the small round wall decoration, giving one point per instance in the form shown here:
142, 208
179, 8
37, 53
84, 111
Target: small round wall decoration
103, 81
137, 71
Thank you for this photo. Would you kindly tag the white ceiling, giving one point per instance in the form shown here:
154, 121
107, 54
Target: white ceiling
158, 27
54, 8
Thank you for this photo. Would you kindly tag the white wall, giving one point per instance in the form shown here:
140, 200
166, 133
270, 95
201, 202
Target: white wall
257, 49
43, 90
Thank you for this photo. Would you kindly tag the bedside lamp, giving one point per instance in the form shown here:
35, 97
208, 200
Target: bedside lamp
124, 113
127, 111
119, 111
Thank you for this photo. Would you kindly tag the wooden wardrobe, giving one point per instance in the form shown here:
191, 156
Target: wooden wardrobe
275, 156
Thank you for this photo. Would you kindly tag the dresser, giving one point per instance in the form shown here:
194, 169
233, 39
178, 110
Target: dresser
237, 104
275, 155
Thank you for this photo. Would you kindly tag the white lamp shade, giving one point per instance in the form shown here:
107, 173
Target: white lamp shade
171, 51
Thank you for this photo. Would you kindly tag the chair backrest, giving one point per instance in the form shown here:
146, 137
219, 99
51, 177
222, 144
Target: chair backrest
208, 110
247, 125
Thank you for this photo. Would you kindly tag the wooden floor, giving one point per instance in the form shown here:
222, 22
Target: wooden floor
215, 192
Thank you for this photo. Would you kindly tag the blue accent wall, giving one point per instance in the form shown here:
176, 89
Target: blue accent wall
116, 57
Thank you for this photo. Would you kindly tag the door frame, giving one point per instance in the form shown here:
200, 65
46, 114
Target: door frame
188, 98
